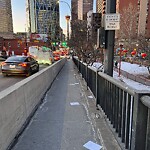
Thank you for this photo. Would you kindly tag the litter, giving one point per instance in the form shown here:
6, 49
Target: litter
92, 146
74, 103
73, 83
90, 96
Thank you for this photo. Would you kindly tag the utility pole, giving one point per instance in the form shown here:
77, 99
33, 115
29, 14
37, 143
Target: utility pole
109, 41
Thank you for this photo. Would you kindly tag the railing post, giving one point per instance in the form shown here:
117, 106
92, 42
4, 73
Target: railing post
87, 76
78, 65
139, 127
146, 101
96, 93
81, 64
148, 132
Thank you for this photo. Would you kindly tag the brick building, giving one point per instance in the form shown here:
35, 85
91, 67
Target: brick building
142, 20
18, 46
84, 6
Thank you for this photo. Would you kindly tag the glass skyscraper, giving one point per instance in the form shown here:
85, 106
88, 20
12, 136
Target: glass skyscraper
43, 17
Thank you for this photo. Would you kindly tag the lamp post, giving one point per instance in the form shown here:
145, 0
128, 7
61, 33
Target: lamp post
109, 41
66, 3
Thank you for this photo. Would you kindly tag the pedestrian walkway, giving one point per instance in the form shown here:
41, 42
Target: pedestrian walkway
67, 119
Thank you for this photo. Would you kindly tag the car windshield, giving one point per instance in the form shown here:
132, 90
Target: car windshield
15, 59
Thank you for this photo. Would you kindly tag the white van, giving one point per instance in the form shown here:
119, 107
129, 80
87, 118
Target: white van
42, 54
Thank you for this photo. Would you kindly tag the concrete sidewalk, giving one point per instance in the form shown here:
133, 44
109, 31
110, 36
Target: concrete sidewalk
67, 118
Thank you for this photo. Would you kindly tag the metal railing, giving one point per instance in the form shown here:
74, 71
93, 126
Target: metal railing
127, 109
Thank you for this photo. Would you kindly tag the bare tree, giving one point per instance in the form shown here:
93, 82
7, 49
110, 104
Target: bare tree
84, 46
142, 43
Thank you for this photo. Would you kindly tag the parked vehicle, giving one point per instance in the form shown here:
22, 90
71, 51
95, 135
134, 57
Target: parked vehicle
19, 65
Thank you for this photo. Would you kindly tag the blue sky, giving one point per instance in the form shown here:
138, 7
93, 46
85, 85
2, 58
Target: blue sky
19, 14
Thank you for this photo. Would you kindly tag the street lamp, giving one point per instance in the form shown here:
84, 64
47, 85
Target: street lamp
65, 3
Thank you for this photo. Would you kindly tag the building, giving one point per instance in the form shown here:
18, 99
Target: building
74, 9
84, 6
74, 15
99, 6
43, 17
6, 25
142, 20
89, 23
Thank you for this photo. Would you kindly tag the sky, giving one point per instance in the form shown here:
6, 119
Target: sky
19, 14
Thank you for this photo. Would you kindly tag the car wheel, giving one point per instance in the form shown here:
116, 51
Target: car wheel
37, 69
5, 74
29, 73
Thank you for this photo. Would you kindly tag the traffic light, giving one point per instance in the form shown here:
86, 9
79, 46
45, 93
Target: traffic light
64, 44
96, 21
54, 43
104, 7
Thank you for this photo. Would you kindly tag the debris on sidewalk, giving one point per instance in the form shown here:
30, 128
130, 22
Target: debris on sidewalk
74, 84
90, 96
92, 146
74, 103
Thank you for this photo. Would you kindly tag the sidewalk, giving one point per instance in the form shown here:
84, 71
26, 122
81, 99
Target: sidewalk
67, 118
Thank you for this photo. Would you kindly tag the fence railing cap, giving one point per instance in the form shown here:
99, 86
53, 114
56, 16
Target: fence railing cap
146, 100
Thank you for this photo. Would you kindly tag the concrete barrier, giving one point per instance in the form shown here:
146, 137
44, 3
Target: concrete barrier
18, 102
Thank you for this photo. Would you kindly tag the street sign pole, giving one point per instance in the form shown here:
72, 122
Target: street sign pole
110, 40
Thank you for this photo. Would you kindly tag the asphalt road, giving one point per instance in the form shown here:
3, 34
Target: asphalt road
8, 81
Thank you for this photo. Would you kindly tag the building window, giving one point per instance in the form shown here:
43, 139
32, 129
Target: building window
9, 45
18, 44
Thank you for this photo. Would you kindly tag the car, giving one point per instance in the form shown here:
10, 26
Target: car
19, 65
56, 55
2, 59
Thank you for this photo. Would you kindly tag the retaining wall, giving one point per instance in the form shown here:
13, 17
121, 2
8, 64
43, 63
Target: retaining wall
19, 101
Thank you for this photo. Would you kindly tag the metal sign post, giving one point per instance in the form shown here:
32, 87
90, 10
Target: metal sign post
110, 39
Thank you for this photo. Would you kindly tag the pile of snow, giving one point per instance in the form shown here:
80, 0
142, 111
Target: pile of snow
132, 69
131, 83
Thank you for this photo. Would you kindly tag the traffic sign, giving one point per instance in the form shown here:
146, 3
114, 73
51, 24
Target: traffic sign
112, 22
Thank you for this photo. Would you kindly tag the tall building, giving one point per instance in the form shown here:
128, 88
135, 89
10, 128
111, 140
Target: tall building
6, 25
74, 9
99, 6
84, 6
43, 17
142, 21
74, 15
144, 17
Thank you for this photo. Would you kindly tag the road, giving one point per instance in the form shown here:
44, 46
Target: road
6, 82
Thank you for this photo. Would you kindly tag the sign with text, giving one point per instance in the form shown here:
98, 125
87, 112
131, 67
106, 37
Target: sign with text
112, 22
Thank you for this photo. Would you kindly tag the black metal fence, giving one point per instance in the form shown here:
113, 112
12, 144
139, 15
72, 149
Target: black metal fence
128, 110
